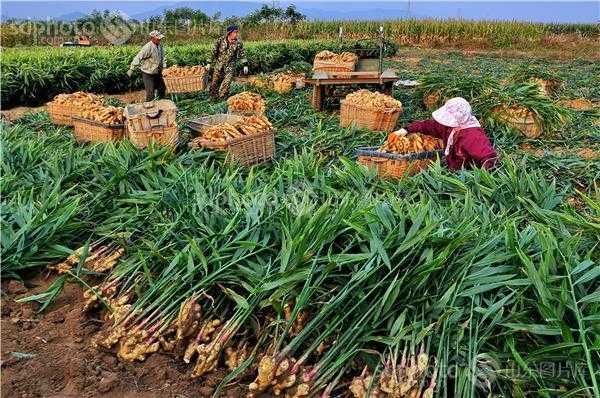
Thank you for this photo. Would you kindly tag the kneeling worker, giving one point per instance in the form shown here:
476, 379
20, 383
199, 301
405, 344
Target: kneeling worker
151, 61
466, 143
227, 51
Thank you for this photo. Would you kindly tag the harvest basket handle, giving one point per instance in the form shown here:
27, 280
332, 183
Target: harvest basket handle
151, 113
154, 115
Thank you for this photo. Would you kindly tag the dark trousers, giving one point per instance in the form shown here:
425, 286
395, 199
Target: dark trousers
220, 82
154, 83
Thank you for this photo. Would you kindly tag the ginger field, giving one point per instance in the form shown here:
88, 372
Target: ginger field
309, 275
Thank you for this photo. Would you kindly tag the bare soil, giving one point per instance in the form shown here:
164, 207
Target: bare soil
131, 97
49, 354
13, 114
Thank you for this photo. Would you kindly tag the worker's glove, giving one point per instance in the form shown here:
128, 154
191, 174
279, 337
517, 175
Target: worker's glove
396, 134
129, 72
245, 70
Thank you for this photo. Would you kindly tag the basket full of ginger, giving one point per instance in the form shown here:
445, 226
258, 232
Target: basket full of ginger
99, 123
184, 79
64, 106
328, 61
247, 140
370, 110
401, 154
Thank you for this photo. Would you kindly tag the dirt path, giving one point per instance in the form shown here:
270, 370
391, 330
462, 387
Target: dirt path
49, 355
17, 112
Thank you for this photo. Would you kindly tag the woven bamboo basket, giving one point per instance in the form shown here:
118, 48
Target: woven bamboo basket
368, 117
184, 84
333, 66
163, 135
393, 165
150, 115
246, 151
61, 113
547, 86
528, 124
86, 130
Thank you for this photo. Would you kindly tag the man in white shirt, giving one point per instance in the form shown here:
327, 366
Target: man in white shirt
151, 61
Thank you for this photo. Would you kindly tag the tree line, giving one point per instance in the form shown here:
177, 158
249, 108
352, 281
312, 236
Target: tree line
177, 21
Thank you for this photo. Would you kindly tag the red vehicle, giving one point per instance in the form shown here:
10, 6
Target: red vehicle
82, 41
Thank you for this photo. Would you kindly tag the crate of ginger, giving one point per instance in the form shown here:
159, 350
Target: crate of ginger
64, 106
370, 110
400, 156
99, 123
184, 79
328, 61
247, 140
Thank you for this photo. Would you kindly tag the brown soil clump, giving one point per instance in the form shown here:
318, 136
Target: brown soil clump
50, 355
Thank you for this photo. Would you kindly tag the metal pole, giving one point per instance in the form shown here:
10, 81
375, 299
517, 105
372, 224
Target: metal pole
381, 41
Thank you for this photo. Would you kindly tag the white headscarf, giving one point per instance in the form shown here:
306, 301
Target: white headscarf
455, 113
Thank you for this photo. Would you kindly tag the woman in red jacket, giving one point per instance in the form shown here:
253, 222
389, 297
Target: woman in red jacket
465, 140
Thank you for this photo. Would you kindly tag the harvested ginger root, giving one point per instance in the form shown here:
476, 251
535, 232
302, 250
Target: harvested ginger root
246, 102
411, 143
374, 100
184, 71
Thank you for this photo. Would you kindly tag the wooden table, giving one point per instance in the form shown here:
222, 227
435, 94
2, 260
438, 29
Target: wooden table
322, 81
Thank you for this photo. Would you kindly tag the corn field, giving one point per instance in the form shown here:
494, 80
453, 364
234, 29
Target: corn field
490, 34
315, 277
493, 34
